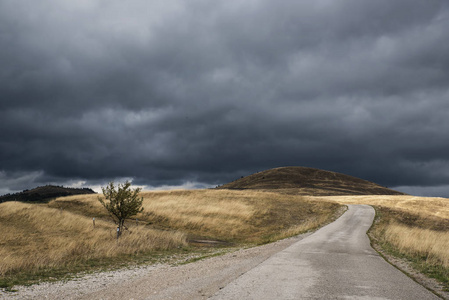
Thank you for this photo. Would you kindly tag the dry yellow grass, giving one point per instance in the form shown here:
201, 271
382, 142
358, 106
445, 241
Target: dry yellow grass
432, 245
205, 212
36, 236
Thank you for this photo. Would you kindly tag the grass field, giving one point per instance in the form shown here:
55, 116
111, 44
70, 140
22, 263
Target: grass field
415, 228
60, 235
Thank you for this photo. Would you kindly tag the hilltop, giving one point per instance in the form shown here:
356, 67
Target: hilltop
309, 181
44, 193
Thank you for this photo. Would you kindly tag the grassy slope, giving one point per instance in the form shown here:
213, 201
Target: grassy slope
37, 238
42, 238
233, 216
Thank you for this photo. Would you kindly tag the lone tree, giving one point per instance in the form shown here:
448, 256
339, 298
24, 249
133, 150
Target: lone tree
122, 202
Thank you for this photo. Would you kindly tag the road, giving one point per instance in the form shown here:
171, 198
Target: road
336, 262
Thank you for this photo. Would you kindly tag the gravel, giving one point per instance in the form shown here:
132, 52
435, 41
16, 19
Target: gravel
198, 280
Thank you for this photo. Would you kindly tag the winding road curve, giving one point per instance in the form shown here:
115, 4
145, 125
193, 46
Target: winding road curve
336, 262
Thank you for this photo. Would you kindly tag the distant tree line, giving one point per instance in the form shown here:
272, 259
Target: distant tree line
45, 194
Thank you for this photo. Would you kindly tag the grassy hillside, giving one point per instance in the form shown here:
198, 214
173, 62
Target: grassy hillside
59, 235
38, 237
233, 216
309, 181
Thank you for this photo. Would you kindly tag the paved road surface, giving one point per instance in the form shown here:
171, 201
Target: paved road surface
336, 262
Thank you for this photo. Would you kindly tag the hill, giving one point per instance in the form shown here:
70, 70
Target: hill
44, 194
309, 181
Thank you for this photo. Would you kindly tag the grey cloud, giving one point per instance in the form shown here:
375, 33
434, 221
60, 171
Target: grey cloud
172, 92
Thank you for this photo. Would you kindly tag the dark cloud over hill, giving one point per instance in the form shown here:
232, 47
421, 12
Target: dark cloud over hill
199, 93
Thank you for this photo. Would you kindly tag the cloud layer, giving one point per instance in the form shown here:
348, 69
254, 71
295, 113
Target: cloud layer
200, 93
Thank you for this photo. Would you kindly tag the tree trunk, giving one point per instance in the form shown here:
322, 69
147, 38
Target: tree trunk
121, 225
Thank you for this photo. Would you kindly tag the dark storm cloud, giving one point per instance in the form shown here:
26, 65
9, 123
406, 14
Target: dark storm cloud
175, 93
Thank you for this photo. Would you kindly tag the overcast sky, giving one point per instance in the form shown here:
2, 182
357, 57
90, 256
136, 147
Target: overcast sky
198, 93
